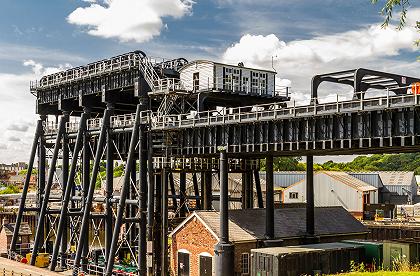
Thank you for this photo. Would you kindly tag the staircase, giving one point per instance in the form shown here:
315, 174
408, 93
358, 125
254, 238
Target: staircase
149, 73
167, 104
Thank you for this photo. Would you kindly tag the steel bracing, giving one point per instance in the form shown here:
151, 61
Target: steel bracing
133, 113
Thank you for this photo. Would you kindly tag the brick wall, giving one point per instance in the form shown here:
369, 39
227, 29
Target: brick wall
195, 238
239, 249
3, 242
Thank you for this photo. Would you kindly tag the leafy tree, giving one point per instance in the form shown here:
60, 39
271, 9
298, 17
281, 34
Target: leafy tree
10, 189
388, 10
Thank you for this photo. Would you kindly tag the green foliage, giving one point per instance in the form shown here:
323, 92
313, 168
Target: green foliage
375, 162
10, 189
378, 162
25, 171
286, 164
388, 10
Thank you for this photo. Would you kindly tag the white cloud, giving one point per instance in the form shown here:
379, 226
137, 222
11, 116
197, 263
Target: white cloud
128, 20
18, 111
299, 60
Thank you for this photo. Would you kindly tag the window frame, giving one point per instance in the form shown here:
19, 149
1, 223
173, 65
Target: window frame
243, 268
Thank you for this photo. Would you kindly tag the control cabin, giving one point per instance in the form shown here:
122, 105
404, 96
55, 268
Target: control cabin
204, 75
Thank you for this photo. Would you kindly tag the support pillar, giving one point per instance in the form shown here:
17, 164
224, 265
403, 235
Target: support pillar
109, 187
164, 229
38, 132
39, 235
142, 200
182, 193
64, 176
196, 192
150, 207
41, 176
269, 199
86, 156
157, 241
310, 205
69, 189
208, 196
258, 189
224, 249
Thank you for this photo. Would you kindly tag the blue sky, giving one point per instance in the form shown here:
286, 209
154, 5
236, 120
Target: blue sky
306, 37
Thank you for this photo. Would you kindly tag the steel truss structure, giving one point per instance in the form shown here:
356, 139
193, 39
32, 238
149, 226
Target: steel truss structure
133, 111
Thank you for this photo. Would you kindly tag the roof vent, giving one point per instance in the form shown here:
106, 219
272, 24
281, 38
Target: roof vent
241, 64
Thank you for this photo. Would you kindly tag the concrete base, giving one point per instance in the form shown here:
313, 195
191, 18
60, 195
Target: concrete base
224, 259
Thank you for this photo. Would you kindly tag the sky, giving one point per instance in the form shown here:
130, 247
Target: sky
300, 38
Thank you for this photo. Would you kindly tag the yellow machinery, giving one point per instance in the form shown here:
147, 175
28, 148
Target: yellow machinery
42, 260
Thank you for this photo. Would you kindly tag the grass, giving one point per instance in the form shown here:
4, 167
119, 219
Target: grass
380, 273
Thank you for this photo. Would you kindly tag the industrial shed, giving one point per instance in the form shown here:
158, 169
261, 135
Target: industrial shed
193, 241
335, 189
401, 186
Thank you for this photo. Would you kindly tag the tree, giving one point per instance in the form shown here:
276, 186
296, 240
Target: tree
388, 10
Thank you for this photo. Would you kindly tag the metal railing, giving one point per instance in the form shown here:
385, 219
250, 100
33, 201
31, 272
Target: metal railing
233, 85
123, 62
256, 112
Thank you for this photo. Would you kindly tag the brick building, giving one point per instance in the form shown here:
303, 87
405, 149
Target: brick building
193, 241
6, 233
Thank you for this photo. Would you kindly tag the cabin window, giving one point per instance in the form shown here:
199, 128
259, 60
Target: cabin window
196, 81
245, 84
293, 195
245, 263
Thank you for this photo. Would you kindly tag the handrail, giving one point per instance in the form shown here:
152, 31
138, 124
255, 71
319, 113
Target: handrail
256, 112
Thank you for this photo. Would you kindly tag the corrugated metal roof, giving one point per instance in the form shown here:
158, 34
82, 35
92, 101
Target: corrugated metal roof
372, 178
350, 181
289, 222
403, 178
284, 179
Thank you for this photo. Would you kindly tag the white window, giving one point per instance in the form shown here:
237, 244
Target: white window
293, 195
245, 263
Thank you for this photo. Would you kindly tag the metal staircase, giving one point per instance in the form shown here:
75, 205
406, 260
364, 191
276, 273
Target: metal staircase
149, 73
167, 103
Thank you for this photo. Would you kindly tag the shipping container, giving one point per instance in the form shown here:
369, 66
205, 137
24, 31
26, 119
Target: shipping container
305, 259
373, 251
397, 250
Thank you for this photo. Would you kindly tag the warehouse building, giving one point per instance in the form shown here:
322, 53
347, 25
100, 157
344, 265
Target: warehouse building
193, 241
335, 189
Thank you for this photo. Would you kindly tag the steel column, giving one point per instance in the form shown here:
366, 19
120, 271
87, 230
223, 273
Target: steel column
173, 192
269, 198
38, 132
207, 200
157, 245
182, 193
46, 194
86, 156
150, 206
164, 231
196, 191
109, 187
142, 200
64, 176
258, 188
122, 201
41, 174
83, 234
224, 249
310, 204
69, 190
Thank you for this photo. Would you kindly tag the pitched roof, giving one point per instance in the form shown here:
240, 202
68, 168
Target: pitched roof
249, 224
372, 178
397, 178
350, 181
24, 229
